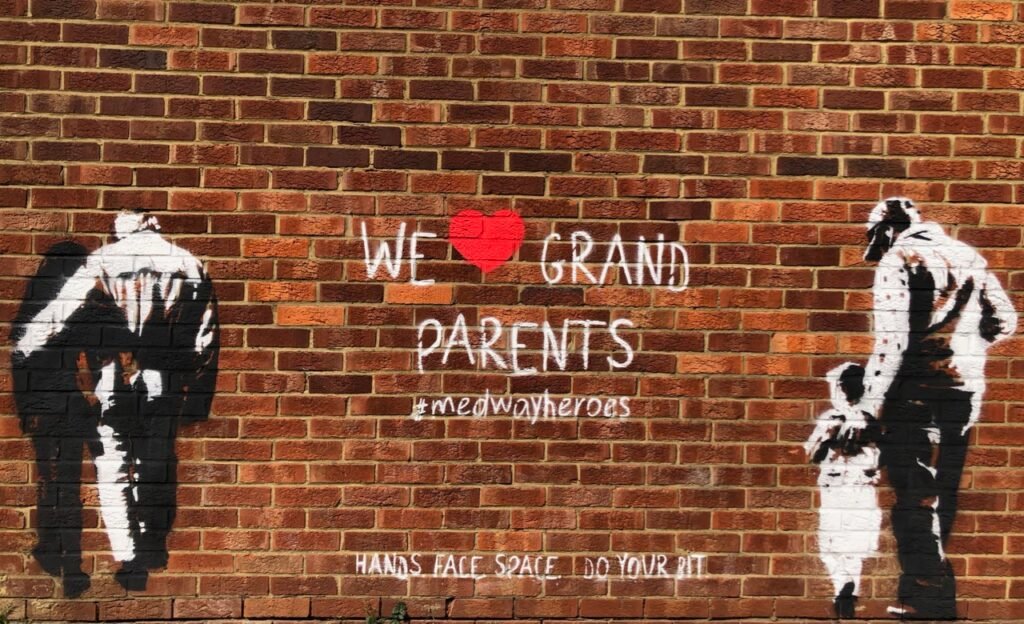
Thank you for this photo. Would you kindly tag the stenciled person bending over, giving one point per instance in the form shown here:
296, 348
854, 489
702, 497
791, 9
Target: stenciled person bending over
142, 318
937, 310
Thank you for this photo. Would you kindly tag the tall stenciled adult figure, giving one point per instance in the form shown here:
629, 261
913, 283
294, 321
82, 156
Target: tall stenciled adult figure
114, 350
937, 310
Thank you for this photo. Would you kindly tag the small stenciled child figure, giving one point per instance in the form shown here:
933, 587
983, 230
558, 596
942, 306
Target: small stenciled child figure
849, 517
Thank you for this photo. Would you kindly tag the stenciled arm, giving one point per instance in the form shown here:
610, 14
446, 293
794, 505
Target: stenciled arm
999, 319
51, 320
891, 327
825, 430
201, 379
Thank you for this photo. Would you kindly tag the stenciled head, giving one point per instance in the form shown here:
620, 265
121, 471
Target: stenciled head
130, 221
846, 384
887, 220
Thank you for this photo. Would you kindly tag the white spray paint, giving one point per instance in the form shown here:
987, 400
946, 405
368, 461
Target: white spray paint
648, 261
111, 474
849, 518
131, 271
138, 272
554, 345
953, 266
114, 489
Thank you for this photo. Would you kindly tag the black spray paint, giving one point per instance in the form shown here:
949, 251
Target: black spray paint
112, 351
937, 310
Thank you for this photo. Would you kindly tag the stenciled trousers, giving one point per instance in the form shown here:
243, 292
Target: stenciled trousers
136, 469
58, 444
61, 423
923, 451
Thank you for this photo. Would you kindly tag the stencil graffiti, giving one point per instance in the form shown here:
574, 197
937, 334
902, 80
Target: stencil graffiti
112, 350
937, 310
849, 516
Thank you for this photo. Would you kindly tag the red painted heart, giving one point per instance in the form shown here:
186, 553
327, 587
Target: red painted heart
486, 241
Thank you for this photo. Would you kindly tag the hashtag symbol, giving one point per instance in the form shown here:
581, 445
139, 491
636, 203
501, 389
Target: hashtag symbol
420, 410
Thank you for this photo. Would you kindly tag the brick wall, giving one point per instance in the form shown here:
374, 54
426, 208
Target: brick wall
759, 133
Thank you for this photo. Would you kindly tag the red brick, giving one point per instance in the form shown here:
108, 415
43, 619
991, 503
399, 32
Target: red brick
135, 609
283, 15
276, 607
234, 38
202, 13
95, 174
342, 64
163, 35
851, 8
130, 10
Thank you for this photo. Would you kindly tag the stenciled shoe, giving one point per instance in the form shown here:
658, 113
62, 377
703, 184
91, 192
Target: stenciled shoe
132, 576
846, 603
75, 584
49, 560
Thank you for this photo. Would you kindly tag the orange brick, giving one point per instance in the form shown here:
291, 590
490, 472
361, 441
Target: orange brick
310, 315
282, 291
276, 607
746, 211
203, 200
312, 225
414, 294
717, 233
981, 10
803, 343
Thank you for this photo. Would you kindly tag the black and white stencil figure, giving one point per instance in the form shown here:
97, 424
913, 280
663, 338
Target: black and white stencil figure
844, 445
937, 310
112, 350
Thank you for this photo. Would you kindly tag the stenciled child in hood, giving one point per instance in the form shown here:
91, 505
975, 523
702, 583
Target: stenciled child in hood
850, 519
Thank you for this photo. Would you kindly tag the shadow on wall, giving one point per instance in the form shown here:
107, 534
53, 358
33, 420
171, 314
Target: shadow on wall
112, 350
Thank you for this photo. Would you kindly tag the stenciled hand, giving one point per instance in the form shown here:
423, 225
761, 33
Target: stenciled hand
852, 424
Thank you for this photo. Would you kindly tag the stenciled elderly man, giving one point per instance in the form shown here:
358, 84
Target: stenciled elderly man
937, 310
149, 360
